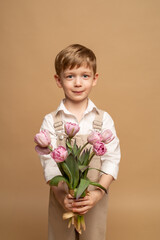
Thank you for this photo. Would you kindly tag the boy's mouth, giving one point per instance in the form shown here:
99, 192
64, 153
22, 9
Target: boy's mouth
77, 92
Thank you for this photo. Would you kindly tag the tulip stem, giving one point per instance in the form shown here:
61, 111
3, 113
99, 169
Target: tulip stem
50, 148
91, 156
69, 140
83, 147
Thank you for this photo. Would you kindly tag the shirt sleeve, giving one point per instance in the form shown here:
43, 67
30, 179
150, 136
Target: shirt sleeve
111, 159
50, 168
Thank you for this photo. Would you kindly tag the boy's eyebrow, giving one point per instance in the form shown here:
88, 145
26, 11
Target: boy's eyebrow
87, 72
72, 72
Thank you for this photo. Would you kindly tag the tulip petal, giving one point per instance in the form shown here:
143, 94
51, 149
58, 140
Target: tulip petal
42, 150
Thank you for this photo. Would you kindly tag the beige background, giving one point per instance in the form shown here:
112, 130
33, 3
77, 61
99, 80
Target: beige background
125, 35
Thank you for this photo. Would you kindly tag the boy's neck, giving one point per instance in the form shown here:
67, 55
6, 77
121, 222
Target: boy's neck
76, 108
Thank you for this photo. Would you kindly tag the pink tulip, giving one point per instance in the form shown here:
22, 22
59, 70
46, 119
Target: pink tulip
43, 138
94, 137
71, 129
99, 148
59, 154
42, 150
107, 136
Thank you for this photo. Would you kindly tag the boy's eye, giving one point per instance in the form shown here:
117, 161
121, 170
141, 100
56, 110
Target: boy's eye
69, 76
85, 76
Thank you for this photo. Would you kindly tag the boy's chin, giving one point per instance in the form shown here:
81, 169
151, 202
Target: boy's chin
78, 99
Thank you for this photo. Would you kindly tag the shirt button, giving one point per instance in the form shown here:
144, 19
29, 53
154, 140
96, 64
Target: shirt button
61, 137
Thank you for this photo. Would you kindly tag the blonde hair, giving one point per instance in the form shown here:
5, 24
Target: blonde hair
75, 55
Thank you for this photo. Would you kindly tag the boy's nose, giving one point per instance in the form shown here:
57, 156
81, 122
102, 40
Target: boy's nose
78, 81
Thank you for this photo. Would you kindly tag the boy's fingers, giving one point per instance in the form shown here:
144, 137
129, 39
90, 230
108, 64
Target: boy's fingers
81, 210
79, 199
80, 204
82, 199
70, 196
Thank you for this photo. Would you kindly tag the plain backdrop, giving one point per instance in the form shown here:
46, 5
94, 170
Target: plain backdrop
125, 36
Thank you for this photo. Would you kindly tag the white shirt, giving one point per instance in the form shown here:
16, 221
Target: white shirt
110, 160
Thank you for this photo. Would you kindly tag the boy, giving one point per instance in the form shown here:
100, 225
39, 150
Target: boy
76, 75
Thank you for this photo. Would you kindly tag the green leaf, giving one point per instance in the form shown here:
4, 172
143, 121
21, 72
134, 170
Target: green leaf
69, 145
82, 148
62, 171
54, 181
97, 170
85, 173
81, 158
74, 169
69, 151
78, 152
82, 168
68, 172
84, 157
75, 147
82, 187
98, 185
87, 157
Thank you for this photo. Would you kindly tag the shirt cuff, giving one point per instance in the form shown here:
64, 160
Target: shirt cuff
110, 168
49, 173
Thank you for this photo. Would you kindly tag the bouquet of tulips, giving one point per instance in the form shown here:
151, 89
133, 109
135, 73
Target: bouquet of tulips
73, 162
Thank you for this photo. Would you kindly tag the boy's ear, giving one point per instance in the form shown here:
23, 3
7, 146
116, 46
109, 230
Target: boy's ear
58, 81
95, 79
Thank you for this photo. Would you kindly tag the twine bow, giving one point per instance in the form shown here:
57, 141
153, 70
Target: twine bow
76, 220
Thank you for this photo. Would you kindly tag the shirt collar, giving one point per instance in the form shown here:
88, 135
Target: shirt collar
91, 107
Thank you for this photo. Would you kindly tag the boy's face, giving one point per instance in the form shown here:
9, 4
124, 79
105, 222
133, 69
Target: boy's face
77, 83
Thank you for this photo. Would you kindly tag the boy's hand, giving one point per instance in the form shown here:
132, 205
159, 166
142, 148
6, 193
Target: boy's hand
68, 201
82, 205
62, 196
